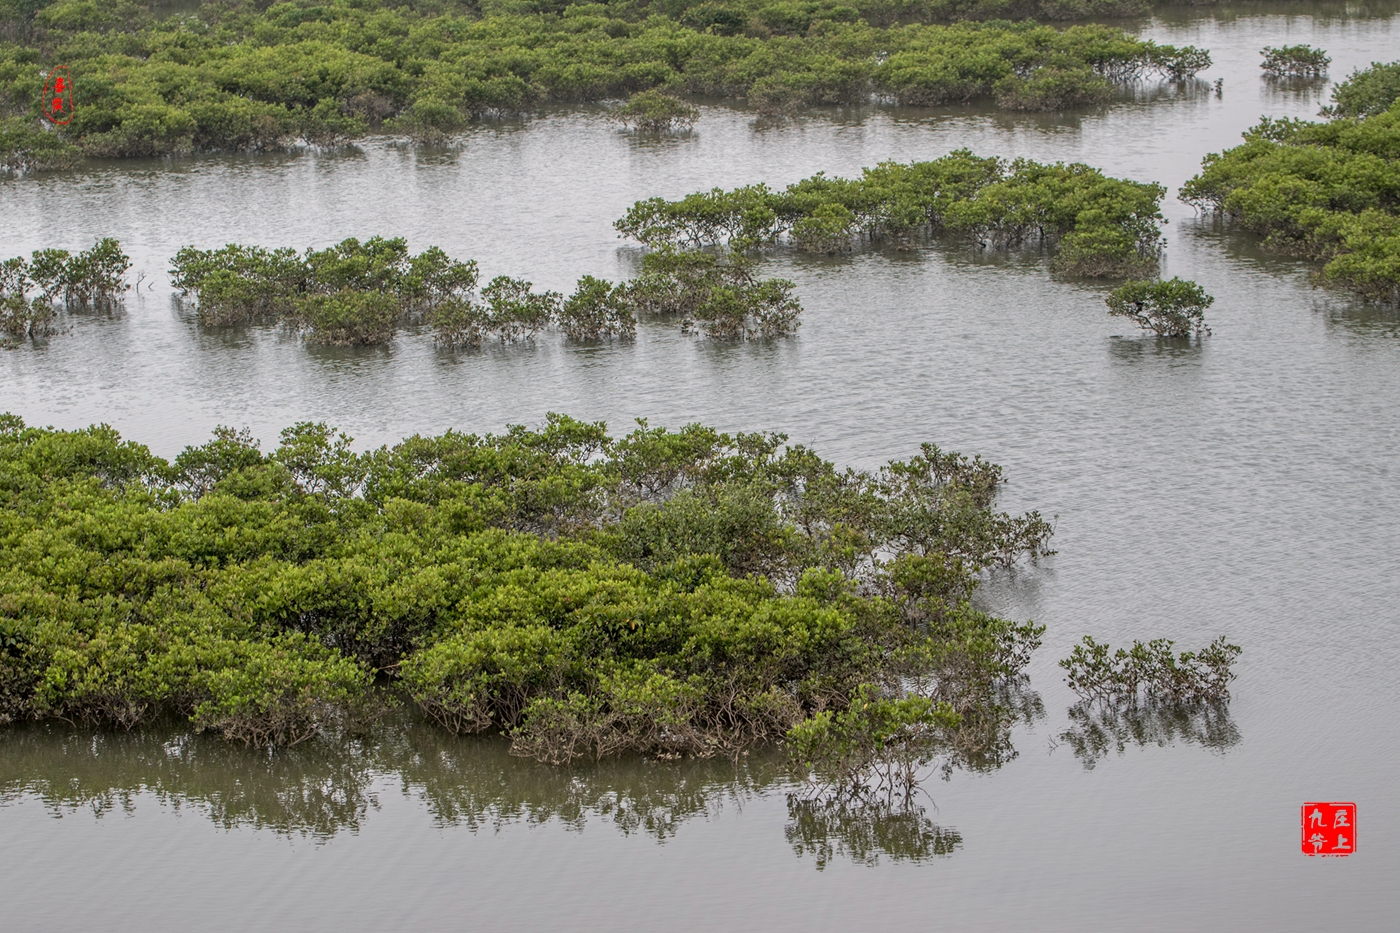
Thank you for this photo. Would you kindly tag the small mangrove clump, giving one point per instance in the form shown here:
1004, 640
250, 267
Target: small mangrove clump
715, 293
1151, 671
92, 279
656, 112
1294, 61
1170, 308
1101, 226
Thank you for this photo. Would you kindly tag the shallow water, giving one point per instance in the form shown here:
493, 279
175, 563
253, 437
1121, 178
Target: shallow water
1242, 485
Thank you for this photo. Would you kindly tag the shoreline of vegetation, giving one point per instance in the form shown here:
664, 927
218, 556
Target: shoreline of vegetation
1324, 191
232, 77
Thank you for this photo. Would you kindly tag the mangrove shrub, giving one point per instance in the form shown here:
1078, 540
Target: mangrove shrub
227, 76
1326, 191
664, 592
653, 111
1101, 226
1170, 308
1294, 61
92, 279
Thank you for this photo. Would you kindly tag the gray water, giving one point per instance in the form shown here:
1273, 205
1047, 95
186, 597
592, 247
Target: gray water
1240, 485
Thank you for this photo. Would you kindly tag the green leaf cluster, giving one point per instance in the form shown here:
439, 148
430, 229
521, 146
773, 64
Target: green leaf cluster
1326, 191
1151, 669
1102, 226
93, 278
1168, 308
1294, 61
666, 592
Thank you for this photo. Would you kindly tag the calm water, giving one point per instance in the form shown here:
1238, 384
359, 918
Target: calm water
1245, 485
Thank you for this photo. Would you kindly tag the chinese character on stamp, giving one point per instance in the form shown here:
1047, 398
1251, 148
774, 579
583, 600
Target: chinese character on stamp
1329, 828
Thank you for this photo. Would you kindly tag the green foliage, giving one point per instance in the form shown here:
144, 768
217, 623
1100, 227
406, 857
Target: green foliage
94, 278
1171, 308
349, 293
244, 77
1367, 92
595, 310
26, 146
653, 111
1151, 670
515, 312
715, 294
1104, 226
558, 585
1294, 61
1326, 191
349, 317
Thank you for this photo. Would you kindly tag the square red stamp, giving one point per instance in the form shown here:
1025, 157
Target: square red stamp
1329, 828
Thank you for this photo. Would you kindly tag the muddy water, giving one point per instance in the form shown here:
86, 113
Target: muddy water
1243, 485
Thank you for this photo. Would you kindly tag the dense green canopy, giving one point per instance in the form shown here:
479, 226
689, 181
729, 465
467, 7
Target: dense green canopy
670, 592
229, 76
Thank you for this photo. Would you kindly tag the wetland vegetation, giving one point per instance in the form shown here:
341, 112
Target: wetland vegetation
362, 293
1097, 225
233, 76
666, 592
30, 288
1327, 191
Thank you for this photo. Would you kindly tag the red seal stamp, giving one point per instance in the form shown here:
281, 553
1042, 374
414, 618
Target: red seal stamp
58, 96
1329, 828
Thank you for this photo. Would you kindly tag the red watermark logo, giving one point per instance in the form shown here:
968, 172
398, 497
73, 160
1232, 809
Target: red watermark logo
1329, 828
58, 96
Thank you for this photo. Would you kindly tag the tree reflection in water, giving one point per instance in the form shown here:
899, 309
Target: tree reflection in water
864, 830
329, 786
1098, 726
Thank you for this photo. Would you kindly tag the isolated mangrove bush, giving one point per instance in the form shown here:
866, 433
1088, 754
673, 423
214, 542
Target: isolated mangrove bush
1326, 191
1100, 226
665, 592
1151, 671
654, 111
1294, 61
92, 279
232, 76
1168, 308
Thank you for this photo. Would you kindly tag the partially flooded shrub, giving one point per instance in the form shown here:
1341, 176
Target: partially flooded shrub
1102, 226
515, 312
1171, 308
94, 278
235, 284
654, 111
667, 592
458, 322
595, 310
1294, 61
716, 294
1151, 671
1367, 92
349, 317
